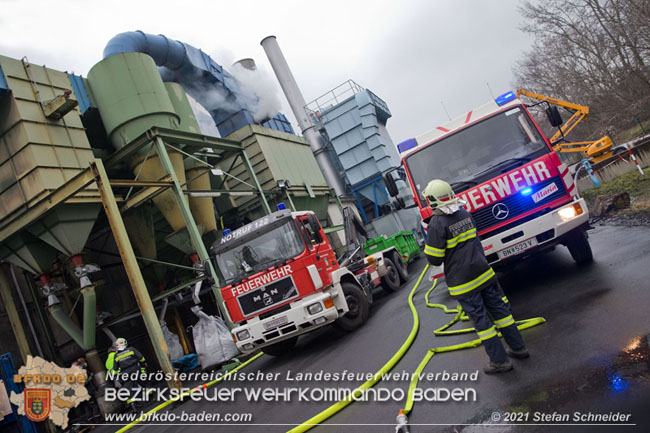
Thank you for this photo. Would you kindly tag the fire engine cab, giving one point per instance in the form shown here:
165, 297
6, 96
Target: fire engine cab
280, 278
496, 158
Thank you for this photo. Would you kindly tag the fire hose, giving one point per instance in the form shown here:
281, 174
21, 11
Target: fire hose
402, 417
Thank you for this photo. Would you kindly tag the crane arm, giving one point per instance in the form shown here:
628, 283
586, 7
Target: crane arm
580, 112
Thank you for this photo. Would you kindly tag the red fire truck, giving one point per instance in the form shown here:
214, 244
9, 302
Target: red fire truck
281, 278
496, 158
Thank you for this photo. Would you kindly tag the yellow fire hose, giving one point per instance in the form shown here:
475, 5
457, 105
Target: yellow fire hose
358, 392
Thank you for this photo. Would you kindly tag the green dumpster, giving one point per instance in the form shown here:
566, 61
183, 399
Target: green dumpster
405, 242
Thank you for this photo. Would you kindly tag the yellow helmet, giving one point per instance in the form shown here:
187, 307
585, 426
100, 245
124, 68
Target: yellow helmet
439, 193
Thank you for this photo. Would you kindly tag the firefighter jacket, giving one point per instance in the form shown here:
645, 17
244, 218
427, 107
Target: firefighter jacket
452, 240
126, 361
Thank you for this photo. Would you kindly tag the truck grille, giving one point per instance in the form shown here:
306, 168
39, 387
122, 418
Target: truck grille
264, 297
517, 204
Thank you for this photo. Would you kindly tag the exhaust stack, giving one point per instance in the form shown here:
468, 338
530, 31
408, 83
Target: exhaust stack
297, 104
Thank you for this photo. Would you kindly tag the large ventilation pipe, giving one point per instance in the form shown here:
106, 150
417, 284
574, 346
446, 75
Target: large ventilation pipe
297, 104
199, 75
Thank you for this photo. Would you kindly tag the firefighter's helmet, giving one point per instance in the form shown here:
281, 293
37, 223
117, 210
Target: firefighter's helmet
439, 193
120, 344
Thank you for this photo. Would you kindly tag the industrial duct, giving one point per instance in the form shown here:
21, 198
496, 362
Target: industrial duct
199, 75
297, 104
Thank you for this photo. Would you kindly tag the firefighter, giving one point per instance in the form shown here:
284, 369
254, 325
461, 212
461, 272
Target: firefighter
452, 240
110, 359
127, 360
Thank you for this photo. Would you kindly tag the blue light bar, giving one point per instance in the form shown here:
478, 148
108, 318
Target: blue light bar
505, 98
226, 232
526, 191
407, 144
280, 206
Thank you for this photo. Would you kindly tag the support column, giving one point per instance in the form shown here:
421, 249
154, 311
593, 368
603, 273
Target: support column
14, 319
251, 173
133, 272
192, 230
293, 207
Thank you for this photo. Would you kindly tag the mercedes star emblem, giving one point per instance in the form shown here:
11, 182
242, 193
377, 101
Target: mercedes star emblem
500, 211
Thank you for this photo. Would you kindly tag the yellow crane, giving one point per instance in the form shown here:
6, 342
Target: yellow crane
596, 151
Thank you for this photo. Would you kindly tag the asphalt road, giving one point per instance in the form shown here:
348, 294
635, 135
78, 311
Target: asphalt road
590, 356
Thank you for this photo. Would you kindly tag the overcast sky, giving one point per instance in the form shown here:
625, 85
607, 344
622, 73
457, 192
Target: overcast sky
411, 53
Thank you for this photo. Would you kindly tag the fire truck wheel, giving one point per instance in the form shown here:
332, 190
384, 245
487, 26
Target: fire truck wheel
401, 267
579, 247
358, 308
390, 281
281, 348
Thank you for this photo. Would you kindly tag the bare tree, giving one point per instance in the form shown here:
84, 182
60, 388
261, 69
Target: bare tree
592, 52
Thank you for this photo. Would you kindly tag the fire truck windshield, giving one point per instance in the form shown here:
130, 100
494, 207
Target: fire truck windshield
474, 153
257, 251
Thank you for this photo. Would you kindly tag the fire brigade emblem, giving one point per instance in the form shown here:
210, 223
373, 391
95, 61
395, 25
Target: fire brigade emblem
37, 404
500, 211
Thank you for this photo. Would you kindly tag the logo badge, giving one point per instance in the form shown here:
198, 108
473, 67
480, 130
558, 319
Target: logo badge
37, 404
500, 211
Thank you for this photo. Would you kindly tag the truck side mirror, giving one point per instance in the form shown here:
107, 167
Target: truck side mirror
554, 116
314, 225
207, 271
391, 186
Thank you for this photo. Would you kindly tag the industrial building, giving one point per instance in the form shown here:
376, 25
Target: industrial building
110, 195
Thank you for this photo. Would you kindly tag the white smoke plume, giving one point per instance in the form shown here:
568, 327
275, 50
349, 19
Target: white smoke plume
205, 121
258, 84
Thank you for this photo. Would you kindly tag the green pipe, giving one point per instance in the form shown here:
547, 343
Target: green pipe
67, 324
42, 317
90, 324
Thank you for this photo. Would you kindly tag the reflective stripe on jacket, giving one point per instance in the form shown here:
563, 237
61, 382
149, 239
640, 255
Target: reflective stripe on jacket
453, 240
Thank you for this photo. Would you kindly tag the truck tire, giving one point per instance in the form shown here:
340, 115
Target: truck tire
579, 247
358, 308
401, 267
390, 282
280, 348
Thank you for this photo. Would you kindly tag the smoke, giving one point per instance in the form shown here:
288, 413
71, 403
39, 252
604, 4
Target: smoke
205, 121
258, 85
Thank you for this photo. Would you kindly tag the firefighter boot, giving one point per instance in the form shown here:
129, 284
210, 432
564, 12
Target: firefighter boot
519, 354
498, 367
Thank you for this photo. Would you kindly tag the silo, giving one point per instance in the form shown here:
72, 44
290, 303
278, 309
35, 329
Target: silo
40, 150
195, 172
131, 98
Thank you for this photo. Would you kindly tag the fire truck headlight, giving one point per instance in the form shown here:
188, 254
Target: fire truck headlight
243, 335
315, 308
248, 346
319, 320
570, 212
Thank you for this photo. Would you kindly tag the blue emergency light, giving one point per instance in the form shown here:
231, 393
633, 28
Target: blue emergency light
280, 206
407, 144
505, 98
226, 232
526, 191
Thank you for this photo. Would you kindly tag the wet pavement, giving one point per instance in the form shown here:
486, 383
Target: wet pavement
590, 358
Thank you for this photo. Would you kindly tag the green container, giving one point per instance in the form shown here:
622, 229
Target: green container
404, 242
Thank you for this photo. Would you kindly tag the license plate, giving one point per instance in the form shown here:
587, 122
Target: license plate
517, 248
282, 320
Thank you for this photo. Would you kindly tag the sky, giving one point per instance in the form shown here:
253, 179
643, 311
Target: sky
414, 54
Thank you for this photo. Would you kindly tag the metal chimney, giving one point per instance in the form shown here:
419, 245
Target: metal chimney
297, 104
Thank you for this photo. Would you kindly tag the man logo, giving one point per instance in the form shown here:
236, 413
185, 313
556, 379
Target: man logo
37, 404
500, 211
